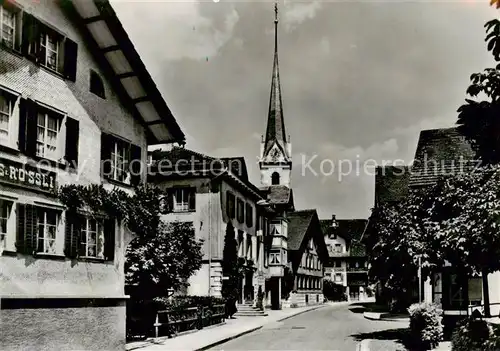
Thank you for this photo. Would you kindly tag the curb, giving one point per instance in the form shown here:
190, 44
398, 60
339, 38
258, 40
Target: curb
229, 338
255, 329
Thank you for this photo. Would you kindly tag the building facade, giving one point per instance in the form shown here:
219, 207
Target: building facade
308, 255
348, 262
76, 107
210, 193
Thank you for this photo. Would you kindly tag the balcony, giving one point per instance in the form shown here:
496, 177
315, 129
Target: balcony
357, 270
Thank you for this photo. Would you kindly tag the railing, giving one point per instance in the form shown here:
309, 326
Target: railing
175, 322
357, 269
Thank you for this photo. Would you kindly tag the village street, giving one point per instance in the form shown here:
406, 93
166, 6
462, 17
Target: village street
341, 328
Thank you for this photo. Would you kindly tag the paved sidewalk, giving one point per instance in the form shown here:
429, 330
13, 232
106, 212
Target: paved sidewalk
210, 337
393, 345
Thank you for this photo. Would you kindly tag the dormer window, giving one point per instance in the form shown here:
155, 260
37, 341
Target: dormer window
97, 85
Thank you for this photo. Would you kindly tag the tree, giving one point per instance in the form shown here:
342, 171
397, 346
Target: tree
479, 121
165, 261
162, 256
231, 269
465, 217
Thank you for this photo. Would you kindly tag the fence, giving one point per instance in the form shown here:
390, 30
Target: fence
173, 322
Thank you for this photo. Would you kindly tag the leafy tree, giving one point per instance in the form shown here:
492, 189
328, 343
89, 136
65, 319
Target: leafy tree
391, 254
466, 218
162, 256
479, 120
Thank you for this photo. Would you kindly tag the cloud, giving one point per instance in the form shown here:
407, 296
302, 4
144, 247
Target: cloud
296, 13
182, 27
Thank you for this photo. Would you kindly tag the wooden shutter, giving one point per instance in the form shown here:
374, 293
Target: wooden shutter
106, 145
192, 198
31, 128
170, 198
23, 112
72, 235
27, 33
26, 229
135, 164
70, 59
21, 227
72, 139
109, 239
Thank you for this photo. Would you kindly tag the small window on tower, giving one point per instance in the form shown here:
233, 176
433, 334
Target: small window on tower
275, 178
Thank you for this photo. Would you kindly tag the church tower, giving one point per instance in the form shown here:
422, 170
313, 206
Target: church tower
275, 150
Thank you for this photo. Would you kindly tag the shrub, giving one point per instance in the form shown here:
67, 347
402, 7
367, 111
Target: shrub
472, 334
426, 330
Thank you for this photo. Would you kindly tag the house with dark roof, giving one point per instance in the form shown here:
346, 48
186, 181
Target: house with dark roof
210, 192
77, 106
347, 264
307, 255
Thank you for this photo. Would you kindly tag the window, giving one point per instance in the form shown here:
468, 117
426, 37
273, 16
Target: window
96, 85
48, 47
47, 130
230, 204
275, 178
121, 160
47, 228
338, 277
240, 211
275, 258
338, 248
338, 264
8, 24
6, 108
249, 215
91, 238
5, 207
184, 200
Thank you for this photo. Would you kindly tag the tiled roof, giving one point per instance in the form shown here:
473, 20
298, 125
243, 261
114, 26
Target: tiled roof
391, 183
303, 225
278, 194
440, 152
180, 159
349, 229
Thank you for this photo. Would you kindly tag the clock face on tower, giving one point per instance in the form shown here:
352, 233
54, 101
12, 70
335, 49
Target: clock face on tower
274, 154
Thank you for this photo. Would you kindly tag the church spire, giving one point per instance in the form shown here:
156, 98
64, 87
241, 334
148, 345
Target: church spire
275, 132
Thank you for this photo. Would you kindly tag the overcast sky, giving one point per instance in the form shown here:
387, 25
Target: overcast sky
360, 79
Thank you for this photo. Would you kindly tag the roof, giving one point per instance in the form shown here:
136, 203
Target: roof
278, 194
303, 225
184, 162
391, 183
113, 49
349, 229
440, 152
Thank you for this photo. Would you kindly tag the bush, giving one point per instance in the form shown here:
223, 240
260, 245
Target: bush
472, 334
426, 330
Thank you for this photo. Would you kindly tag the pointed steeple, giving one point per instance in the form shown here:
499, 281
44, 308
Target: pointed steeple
275, 132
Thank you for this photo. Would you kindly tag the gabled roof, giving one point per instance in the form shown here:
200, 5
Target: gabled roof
182, 162
113, 49
279, 195
349, 229
440, 152
391, 183
304, 225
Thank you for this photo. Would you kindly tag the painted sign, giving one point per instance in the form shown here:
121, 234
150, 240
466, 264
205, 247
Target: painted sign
16, 173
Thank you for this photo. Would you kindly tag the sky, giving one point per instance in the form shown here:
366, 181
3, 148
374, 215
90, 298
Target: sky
359, 80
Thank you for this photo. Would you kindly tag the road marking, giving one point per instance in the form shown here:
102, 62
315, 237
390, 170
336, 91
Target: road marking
364, 345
